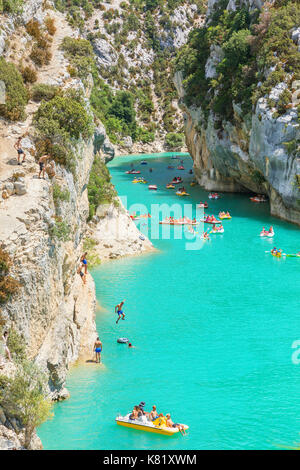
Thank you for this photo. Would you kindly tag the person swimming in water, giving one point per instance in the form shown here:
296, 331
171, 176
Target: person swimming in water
98, 349
119, 311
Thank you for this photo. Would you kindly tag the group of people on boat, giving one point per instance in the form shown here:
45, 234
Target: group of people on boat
158, 419
267, 233
176, 180
224, 215
182, 220
276, 252
213, 196
217, 229
210, 219
258, 198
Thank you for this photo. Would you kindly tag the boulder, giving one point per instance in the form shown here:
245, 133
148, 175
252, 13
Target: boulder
20, 188
106, 54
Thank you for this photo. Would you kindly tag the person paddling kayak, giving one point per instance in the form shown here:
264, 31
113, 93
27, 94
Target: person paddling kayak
119, 311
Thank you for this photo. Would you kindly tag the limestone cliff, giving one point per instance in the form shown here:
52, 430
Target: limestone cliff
44, 221
256, 150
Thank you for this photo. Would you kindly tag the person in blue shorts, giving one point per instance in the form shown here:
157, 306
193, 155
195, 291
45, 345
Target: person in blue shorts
119, 311
98, 349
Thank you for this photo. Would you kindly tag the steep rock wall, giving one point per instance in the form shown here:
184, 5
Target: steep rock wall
252, 154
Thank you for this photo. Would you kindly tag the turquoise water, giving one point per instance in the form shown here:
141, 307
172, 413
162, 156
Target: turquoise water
212, 330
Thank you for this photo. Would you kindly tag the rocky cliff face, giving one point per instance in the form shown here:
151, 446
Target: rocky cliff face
256, 151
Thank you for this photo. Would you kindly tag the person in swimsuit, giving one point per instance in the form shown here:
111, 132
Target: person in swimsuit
98, 349
84, 262
170, 424
5, 338
42, 162
153, 414
81, 274
119, 311
19, 150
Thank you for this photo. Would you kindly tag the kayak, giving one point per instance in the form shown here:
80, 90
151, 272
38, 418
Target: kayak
213, 196
217, 231
179, 193
152, 186
224, 217
180, 168
142, 424
170, 186
193, 183
139, 181
203, 204
144, 162
132, 172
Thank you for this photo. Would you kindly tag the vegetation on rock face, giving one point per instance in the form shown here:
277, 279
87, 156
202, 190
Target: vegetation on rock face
23, 397
16, 94
8, 285
11, 6
174, 141
150, 26
251, 47
60, 123
100, 189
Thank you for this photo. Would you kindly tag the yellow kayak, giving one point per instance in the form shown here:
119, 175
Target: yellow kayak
225, 217
178, 193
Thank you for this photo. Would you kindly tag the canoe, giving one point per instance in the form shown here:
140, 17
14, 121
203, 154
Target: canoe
143, 425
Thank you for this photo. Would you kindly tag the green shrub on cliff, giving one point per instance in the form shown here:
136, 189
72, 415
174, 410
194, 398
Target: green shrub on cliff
16, 94
100, 189
8, 285
11, 6
60, 123
23, 397
174, 140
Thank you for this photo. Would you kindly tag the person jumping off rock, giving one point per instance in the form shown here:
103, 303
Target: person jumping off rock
119, 311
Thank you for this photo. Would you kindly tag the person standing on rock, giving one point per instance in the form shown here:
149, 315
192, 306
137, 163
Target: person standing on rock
84, 262
98, 349
42, 162
19, 150
119, 311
